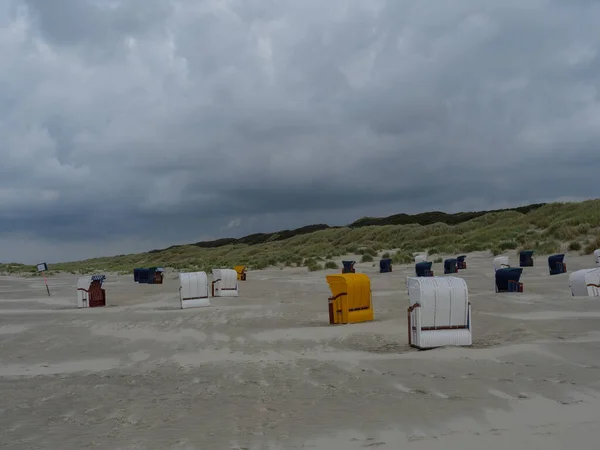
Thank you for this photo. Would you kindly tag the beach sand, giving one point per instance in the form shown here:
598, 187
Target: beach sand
265, 370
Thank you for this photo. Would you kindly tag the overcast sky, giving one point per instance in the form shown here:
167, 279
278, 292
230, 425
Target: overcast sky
136, 124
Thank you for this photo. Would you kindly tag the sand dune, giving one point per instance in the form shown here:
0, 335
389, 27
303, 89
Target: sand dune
265, 370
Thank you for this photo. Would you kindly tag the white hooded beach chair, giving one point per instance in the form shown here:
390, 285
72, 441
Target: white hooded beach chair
439, 313
421, 257
501, 262
225, 283
597, 256
585, 283
193, 290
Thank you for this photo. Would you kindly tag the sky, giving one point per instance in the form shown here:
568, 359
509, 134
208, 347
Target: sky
131, 125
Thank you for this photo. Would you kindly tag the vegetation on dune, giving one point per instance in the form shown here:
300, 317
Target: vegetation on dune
544, 228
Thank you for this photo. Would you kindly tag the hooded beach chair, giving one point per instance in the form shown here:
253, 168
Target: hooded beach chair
585, 283
556, 264
439, 312
526, 258
241, 272
385, 266
508, 280
351, 300
501, 262
193, 290
224, 283
90, 293
423, 269
348, 266
450, 266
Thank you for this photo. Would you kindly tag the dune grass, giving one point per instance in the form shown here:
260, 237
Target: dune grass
547, 229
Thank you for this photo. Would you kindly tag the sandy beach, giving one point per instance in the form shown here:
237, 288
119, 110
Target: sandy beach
265, 370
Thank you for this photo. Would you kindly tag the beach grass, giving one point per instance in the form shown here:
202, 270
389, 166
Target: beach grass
546, 229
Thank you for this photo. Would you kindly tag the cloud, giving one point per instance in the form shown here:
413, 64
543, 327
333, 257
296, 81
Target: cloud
234, 223
134, 124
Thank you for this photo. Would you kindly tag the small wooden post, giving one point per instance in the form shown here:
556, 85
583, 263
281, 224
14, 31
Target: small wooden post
42, 267
46, 282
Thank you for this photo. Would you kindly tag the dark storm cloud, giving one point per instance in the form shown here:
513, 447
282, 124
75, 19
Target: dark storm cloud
197, 119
